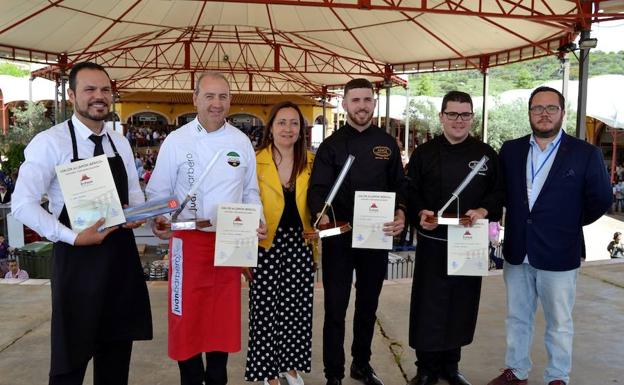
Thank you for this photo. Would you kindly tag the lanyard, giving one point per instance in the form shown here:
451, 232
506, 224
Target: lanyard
533, 172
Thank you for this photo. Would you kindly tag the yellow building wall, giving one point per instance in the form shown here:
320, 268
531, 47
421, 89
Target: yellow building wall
172, 111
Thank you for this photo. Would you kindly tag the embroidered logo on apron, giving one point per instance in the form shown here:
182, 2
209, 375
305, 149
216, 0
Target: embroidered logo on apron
382, 152
176, 276
233, 158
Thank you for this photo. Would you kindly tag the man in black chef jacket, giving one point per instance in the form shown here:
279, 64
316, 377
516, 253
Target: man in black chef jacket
377, 167
100, 302
443, 312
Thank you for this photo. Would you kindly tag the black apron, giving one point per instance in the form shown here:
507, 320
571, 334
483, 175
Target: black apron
443, 308
98, 292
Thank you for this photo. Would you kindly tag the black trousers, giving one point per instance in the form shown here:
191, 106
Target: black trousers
111, 363
437, 363
192, 371
339, 262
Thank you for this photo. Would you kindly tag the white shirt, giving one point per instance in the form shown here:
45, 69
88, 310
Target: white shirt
538, 166
37, 176
183, 157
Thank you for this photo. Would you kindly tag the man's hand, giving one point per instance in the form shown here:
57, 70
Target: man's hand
248, 274
262, 231
424, 216
396, 227
324, 220
91, 235
476, 214
161, 227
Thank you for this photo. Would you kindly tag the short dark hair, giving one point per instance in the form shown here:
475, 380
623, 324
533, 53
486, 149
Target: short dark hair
456, 96
12, 260
548, 89
358, 83
617, 234
82, 66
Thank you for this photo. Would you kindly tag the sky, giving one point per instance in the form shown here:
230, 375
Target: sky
610, 36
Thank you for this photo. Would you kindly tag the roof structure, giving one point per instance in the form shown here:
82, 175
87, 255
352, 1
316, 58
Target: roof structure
288, 46
170, 97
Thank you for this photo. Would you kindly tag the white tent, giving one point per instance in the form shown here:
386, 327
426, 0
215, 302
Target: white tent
22, 89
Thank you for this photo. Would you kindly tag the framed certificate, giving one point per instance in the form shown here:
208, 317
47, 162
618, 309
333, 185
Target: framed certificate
237, 239
468, 249
370, 211
89, 193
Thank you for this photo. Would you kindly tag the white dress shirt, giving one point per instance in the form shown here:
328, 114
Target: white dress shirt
37, 176
183, 157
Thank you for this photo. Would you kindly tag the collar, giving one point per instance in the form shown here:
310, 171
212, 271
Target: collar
264, 156
83, 131
200, 130
533, 142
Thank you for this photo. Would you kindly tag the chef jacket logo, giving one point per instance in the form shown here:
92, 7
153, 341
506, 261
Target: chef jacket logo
237, 221
85, 180
467, 235
382, 152
233, 158
373, 207
473, 164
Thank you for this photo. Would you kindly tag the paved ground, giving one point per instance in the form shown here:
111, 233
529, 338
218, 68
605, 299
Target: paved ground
598, 349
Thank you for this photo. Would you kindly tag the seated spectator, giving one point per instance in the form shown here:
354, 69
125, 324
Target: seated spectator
615, 247
15, 271
147, 174
5, 249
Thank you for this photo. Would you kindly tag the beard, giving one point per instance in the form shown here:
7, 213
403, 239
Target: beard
548, 133
359, 120
95, 116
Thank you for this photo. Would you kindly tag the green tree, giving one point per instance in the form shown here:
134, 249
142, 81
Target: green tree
423, 85
524, 79
13, 70
424, 116
28, 122
507, 121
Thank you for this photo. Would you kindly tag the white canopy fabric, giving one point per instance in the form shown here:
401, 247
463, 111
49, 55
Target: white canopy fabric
21, 89
605, 100
286, 46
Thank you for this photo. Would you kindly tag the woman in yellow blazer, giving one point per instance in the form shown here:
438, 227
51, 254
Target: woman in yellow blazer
282, 285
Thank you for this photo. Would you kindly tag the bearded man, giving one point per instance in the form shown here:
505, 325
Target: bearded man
555, 184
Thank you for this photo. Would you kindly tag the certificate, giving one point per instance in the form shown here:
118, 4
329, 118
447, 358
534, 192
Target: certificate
89, 193
237, 239
468, 249
371, 210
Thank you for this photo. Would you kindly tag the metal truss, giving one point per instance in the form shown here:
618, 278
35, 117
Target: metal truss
276, 61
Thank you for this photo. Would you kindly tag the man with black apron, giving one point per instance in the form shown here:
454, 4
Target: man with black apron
443, 312
204, 300
100, 302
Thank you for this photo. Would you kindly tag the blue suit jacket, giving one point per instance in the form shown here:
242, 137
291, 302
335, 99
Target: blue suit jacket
576, 193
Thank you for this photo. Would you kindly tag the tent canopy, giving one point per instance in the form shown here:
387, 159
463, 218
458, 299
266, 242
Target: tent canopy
287, 46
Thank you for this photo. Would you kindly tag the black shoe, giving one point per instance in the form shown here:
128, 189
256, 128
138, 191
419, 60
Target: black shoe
423, 379
456, 378
366, 374
333, 381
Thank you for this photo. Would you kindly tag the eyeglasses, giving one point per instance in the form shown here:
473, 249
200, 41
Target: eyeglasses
551, 109
465, 116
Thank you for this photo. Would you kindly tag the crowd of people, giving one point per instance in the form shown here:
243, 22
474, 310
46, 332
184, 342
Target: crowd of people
142, 136
550, 183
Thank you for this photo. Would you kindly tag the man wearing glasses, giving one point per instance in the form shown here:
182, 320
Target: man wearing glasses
555, 184
443, 312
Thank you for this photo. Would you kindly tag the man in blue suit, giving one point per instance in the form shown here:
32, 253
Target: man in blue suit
555, 184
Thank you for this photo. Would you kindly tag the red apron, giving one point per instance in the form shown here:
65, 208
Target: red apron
204, 300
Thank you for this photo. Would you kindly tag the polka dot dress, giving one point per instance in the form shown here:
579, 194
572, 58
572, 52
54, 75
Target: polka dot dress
280, 307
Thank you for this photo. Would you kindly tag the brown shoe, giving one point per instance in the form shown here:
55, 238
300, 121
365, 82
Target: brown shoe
508, 378
556, 382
